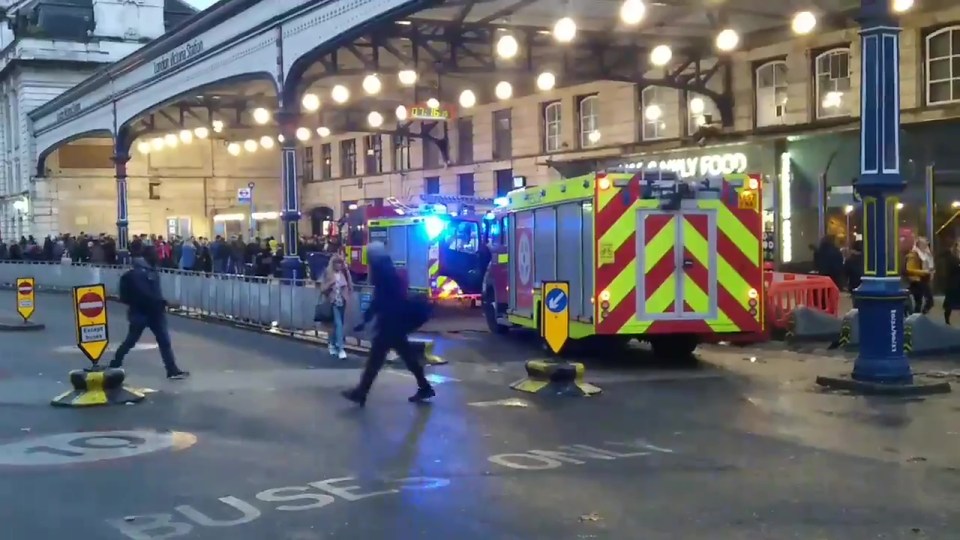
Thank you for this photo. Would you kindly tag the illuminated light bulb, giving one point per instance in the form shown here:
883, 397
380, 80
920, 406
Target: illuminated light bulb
310, 102
546, 81
401, 113
143, 147
504, 90
661, 55
507, 47
594, 136
201, 132
407, 77
899, 6
323, 131
804, 22
158, 143
433, 103
267, 142
186, 136
281, 138
303, 134
632, 11
234, 149
468, 99
250, 145
217, 126
340, 93
171, 140
653, 113
372, 85
565, 30
261, 115
727, 40
697, 106
375, 119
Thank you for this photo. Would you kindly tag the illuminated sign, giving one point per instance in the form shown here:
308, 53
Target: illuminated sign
688, 167
421, 112
178, 56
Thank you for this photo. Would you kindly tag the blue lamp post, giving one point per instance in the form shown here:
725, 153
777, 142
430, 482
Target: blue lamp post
880, 297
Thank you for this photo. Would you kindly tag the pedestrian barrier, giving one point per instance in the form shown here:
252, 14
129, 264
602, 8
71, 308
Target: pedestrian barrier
96, 386
558, 378
787, 292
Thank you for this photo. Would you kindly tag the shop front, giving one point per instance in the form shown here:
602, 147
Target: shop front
240, 222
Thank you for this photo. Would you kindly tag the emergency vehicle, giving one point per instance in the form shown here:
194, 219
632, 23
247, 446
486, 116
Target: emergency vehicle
646, 254
437, 251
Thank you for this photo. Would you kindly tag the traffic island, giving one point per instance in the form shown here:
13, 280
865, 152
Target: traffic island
19, 326
95, 387
556, 378
916, 388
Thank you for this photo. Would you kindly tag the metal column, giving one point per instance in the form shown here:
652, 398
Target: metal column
880, 297
291, 266
120, 160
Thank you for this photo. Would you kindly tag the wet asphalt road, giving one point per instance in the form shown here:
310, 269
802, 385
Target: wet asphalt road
739, 448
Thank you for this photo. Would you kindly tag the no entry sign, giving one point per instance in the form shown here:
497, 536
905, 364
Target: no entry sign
26, 297
90, 303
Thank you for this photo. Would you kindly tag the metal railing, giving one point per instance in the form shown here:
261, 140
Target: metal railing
267, 303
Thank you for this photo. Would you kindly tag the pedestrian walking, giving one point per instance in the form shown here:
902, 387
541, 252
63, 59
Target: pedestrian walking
396, 317
336, 287
140, 290
920, 270
951, 298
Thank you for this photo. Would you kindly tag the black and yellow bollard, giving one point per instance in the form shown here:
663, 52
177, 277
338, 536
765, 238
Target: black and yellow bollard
95, 386
558, 378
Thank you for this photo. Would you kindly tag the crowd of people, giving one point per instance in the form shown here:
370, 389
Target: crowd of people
256, 256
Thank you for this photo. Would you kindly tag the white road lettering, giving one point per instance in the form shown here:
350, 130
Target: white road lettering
297, 493
249, 512
575, 454
151, 527
347, 493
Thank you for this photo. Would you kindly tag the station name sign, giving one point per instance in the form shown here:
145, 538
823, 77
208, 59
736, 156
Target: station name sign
178, 56
68, 112
689, 167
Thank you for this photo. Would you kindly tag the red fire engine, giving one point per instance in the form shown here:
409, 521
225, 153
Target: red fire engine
646, 255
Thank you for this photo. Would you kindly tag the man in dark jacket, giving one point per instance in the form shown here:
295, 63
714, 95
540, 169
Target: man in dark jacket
390, 306
147, 308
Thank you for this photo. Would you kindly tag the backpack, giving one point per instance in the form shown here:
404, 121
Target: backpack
418, 311
127, 288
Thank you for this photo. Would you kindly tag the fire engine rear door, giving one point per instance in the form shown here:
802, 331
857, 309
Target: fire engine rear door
677, 259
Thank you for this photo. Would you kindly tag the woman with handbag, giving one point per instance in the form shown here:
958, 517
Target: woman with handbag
335, 291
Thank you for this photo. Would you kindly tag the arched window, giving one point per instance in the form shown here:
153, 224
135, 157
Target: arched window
700, 110
772, 93
589, 121
833, 83
943, 66
551, 127
653, 107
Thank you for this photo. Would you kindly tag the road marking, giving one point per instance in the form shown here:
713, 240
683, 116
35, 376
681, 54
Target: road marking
509, 402
90, 446
575, 454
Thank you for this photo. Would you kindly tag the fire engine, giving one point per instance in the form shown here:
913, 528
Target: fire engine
438, 252
646, 254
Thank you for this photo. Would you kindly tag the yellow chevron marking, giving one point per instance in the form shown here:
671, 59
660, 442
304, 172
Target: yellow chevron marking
746, 241
604, 196
434, 268
621, 230
664, 297
622, 286
699, 248
661, 244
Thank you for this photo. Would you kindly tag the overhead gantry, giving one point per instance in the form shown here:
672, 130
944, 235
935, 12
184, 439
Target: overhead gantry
257, 74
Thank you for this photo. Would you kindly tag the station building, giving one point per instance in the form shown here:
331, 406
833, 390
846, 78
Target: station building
476, 99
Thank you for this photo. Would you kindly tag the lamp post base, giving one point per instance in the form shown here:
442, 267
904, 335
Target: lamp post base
292, 268
882, 359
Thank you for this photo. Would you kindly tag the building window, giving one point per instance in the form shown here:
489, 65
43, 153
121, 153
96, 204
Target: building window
465, 141
348, 157
833, 83
701, 111
432, 185
502, 135
504, 181
401, 153
153, 191
326, 161
373, 154
552, 120
943, 66
589, 113
308, 164
772, 93
653, 101
465, 185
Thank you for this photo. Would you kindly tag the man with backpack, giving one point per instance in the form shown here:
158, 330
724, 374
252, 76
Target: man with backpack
140, 291
397, 316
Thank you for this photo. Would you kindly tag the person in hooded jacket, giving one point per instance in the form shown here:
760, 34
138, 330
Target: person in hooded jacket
390, 306
147, 309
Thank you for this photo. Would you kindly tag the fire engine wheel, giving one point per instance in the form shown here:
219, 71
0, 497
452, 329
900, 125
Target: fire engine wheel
677, 347
490, 314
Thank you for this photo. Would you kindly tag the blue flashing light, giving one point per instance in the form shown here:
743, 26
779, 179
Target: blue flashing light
489, 216
500, 202
435, 226
440, 208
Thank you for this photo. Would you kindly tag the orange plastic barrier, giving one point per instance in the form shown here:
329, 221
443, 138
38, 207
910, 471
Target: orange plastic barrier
785, 292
